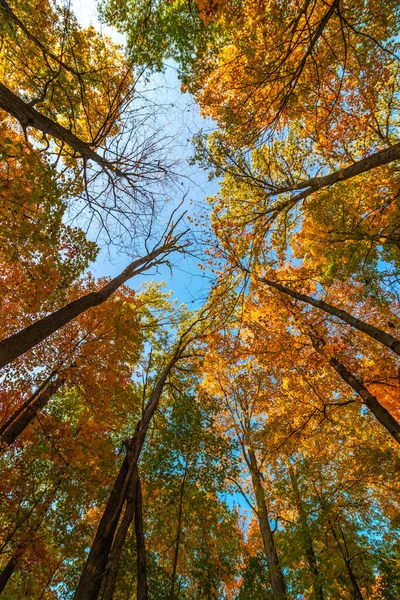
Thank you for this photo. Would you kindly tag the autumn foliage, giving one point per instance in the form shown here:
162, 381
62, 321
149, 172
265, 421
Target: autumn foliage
246, 449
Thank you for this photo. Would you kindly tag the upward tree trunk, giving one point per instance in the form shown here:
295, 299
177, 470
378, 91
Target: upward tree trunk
378, 159
356, 592
142, 591
30, 117
21, 421
277, 581
19, 343
119, 541
308, 545
94, 569
374, 332
133, 509
380, 412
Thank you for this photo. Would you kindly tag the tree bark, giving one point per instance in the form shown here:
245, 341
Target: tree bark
142, 589
277, 581
374, 332
30, 117
119, 541
378, 159
8, 571
18, 424
380, 412
94, 569
308, 545
19, 343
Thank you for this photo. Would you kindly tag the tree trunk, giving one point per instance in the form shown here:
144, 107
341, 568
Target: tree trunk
17, 424
357, 595
308, 545
277, 581
119, 541
374, 332
378, 159
8, 571
94, 569
380, 412
142, 590
30, 117
19, 343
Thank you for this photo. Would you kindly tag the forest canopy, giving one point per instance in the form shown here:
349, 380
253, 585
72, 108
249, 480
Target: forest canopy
242, 444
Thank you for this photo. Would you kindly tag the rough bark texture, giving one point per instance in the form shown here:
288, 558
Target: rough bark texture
119, 541
378, 159
380, 412
7, 572
142, 590
30, 117
21, 422
19, 343
374, 332
277, 581
94, 569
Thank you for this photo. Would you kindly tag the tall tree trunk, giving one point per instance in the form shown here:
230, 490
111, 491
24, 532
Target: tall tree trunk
8, 570
178, 534
378, 159
94, 569
357, 595
17, 424
277, 581
374, 332
19, 343
380, 412
308, 545
119, 541
30, 117
142, 590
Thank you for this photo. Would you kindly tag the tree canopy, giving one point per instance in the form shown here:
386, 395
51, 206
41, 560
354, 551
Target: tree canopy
242, 444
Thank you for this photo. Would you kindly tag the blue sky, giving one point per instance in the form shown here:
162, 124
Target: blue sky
180, 118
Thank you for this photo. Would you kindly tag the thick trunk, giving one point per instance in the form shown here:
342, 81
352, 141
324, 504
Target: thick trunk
19, 343
30, 117
7, 572
277, 581
178, 535
308, 545
380, 412
27, 403
378, 159
142, 590
119, 541
377, 334
94, 569
18, 424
